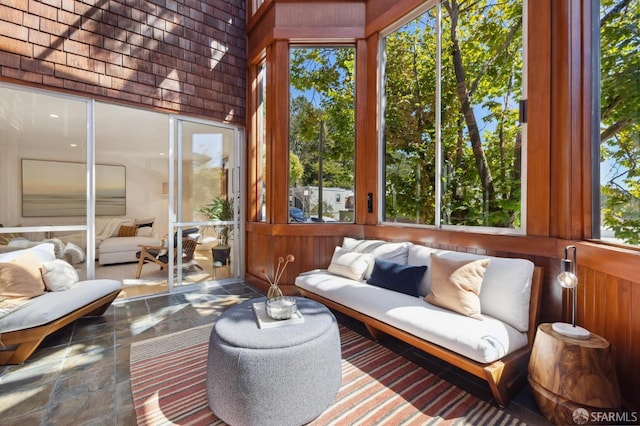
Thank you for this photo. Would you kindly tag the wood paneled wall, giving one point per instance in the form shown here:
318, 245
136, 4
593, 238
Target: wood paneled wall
607, 297
558, 171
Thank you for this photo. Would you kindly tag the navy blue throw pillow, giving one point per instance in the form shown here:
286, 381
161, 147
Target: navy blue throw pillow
394, 276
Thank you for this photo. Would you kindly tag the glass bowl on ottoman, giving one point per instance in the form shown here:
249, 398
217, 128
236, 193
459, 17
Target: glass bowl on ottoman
281, 308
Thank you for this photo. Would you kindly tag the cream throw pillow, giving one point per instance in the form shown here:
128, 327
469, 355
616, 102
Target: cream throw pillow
58, 275
145, 231
455, 285
20, 277
349, 264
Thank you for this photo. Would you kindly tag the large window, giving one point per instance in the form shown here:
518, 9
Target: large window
452, 82
321, 134
618, 135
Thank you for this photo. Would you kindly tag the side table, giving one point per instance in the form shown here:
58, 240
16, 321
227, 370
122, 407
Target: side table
566, 374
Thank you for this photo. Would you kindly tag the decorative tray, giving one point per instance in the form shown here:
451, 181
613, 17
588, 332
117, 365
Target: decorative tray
265, 321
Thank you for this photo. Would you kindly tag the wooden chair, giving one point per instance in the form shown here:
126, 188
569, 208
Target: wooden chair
151, 254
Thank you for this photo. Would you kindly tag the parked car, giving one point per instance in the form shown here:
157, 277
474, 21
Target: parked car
325, 219
297, 215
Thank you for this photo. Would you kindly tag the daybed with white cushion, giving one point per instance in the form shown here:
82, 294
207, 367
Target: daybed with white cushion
117, 240
385, 285
30, 311
123, 249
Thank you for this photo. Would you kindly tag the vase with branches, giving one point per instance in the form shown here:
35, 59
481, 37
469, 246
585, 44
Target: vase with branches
274, 290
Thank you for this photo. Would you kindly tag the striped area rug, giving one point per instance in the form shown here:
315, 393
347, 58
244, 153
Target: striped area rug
379, 387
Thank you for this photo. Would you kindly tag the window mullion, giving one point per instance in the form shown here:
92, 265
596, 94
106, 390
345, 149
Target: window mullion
438, 118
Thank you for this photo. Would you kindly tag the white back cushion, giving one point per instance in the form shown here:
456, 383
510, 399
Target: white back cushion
506, 289
392, 252
421, 256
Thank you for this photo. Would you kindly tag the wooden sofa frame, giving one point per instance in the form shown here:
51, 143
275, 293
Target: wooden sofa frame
17, 346
505, 376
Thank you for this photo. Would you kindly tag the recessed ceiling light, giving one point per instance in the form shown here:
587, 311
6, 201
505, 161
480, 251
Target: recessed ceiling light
162, 153
73, 145
54, 116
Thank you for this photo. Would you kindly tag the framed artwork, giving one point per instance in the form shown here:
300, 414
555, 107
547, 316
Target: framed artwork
59, 188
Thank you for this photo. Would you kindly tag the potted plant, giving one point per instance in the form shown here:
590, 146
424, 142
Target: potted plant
220, 209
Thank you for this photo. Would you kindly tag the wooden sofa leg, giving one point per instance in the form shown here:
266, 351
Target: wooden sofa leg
21, 353
23, 343
376, 335
505, 379
494, 378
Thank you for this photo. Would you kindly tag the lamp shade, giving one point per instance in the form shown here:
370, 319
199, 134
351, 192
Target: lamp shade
569, 279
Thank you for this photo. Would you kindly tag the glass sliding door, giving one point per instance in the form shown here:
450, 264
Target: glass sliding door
132, 144
204, 186
106, 183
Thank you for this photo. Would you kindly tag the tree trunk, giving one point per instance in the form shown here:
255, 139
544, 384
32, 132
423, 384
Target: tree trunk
615, 128
465, 104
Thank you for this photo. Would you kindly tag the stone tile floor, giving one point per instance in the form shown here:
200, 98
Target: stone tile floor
80, 374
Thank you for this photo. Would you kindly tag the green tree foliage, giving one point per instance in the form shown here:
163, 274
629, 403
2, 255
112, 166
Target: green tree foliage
322, 118
480, 85
620, 118
296, 169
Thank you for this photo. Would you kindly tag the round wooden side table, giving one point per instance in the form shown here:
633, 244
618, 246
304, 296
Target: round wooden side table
566, 374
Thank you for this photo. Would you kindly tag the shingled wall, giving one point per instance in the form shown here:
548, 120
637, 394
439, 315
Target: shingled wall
186, 56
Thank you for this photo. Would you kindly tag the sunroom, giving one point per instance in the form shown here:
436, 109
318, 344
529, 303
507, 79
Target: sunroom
281, 127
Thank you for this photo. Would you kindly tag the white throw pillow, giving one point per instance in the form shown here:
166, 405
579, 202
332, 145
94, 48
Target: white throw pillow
392, 252
145, 231
349, 264
58, 275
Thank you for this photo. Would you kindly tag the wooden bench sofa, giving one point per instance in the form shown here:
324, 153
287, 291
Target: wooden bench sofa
385, 311
24, 326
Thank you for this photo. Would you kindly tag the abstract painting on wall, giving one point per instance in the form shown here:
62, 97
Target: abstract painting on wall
59, 188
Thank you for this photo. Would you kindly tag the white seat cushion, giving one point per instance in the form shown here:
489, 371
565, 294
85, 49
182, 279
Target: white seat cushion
56, 304
482, 341
119, 244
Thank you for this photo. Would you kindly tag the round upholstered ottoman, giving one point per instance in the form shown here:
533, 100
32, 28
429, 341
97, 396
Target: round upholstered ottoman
284, 375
